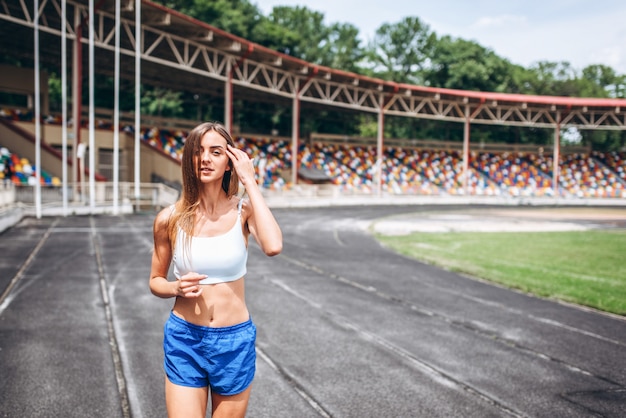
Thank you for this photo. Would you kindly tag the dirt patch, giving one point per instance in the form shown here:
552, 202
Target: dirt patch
563, 213
504, 220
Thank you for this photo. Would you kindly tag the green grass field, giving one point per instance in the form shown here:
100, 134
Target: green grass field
587, 268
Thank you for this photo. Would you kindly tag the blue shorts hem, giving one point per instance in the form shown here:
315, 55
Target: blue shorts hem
185, 384
232, 393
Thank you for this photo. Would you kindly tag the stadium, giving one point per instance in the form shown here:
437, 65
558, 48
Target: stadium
485, 351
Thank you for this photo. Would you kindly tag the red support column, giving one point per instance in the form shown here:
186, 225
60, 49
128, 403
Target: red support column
556, 157
466, 141
295, 133
379, 146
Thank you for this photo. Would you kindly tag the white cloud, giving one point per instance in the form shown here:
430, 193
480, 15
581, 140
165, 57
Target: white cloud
498, 22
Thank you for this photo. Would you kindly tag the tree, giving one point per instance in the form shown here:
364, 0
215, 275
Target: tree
602, 81
460, 64
274, 36
553, 79
238, 17
343, 49
303, 33
604, 140
402, 51
520, 80
162, 102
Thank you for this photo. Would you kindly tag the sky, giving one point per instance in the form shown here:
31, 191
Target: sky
582, 32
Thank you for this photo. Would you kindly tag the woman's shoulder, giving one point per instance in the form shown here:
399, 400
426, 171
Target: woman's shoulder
162, 218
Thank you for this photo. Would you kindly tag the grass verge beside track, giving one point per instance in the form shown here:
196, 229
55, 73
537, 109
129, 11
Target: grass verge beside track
583, 267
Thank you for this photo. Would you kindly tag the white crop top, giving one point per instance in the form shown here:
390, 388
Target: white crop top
222, 258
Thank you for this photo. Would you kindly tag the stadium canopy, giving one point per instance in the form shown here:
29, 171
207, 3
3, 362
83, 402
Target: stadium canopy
181, 53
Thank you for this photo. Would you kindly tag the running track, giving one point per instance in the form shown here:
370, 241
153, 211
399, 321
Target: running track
346, 328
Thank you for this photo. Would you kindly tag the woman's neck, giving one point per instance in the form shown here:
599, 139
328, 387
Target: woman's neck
212, 201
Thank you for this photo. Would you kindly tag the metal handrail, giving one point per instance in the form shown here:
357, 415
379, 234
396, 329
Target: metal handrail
157, 195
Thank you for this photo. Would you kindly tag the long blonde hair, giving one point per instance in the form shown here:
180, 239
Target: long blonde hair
185, 209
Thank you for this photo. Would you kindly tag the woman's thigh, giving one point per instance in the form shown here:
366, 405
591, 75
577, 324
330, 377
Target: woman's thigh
230, 405
185, 402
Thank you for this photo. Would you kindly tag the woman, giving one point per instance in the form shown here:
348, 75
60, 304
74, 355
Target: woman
209, 337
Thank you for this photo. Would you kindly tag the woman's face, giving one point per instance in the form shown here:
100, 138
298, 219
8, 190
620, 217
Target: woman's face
212, 161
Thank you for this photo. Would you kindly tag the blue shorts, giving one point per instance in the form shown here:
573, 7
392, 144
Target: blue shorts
221, 358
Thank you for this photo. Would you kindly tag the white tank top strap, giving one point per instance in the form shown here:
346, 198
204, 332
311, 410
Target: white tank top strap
239, 205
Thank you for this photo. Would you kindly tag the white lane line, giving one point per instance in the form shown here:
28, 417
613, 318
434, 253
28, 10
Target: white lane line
7, 297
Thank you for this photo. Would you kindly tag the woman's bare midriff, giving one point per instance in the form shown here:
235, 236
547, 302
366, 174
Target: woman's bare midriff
219, 305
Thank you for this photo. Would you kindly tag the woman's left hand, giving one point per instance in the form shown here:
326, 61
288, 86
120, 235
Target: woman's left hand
242, 164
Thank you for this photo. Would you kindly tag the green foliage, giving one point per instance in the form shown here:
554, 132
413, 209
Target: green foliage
162, 102
604, 140
602, 81
401, 52
343, 49
54, 91
581, 267
274, 36
461, 64
238, 17
368, 126
306, 37
103, 92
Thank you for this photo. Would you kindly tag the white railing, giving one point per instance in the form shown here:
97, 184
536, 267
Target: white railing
155, 195
7, 193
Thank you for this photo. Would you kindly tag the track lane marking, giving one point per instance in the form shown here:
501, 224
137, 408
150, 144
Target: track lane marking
115, 351
7, 297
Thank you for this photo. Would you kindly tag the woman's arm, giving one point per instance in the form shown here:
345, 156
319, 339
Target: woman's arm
161, 258
260, 220
186, 286
262, 224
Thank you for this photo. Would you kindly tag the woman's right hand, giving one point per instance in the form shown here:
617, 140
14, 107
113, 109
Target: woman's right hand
189, 285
